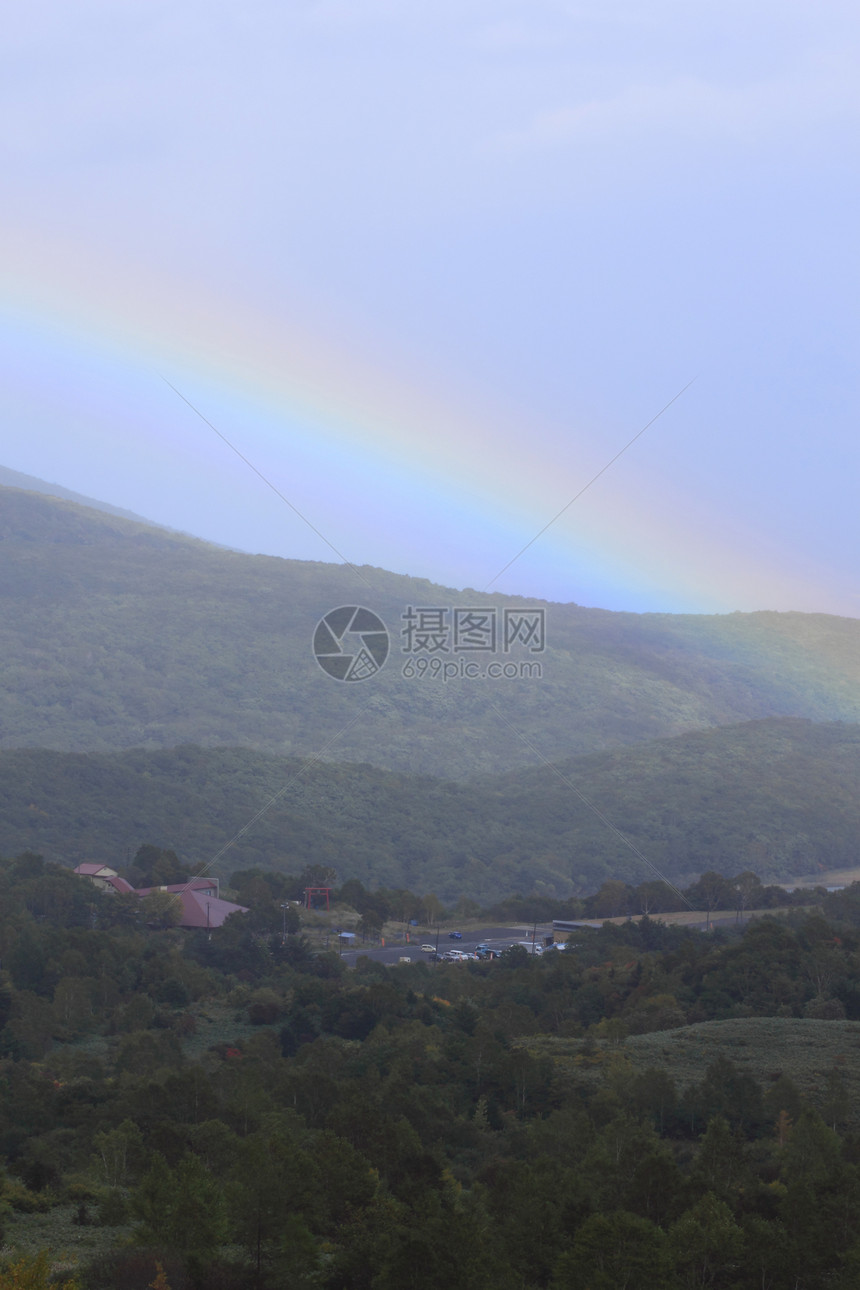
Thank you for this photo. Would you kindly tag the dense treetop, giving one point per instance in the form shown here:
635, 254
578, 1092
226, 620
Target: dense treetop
243, 1112
778, 797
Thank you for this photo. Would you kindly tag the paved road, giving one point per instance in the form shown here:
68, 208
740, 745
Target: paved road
496, 937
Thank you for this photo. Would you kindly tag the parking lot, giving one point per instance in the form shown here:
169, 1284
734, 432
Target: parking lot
496, 938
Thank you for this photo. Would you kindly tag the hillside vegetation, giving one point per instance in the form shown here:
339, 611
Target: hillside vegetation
778, 797
116, 634
765, 1048
657, 1110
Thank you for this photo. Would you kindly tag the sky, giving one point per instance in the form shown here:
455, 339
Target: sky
425, 269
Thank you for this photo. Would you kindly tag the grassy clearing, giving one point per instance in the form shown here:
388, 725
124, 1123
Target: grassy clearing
69, 1243
833, 878
219, 1022
765, 1047
687, 917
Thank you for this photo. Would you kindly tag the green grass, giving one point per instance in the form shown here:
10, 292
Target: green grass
68, 1243
219, 1022
764, 1047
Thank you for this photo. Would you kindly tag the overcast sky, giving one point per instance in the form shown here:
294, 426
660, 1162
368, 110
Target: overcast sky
430, 266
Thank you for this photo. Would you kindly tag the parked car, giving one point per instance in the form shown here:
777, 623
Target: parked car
455, 936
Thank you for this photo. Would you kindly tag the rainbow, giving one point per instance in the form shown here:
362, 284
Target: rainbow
393, 472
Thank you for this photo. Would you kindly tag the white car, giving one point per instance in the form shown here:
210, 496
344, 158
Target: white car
428, 949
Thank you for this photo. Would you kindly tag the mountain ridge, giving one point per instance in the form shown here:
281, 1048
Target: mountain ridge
116, 634
32, 484
776, 796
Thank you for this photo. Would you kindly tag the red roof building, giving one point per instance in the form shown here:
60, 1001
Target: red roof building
103, 877
202, 906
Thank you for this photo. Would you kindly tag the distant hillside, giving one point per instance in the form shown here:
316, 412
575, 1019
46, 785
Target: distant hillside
17, 479
116, 634
775, 796
803, 1049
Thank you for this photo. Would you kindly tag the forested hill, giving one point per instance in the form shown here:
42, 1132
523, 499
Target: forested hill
17, 479
116, 634
777, 796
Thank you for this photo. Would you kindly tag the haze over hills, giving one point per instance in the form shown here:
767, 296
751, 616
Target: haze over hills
116, 634
17, 479
157, 688
777, 796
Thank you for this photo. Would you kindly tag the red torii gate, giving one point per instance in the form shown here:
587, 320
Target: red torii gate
310, 892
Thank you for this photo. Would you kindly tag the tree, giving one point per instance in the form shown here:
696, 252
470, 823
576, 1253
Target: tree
156, 867
33, 1273
720, 1161
711, 892
837, 1100
706, 1242
370, 925
653, 1093
768, 1254
73, 1005
822, 965
611, 899
433, 908
748, 891
728, 1092
618, 1251
182, 1209
783, 1098
354, 893
29, 1032
656, 897
161, 909
118, 1151
627, 1167
199, 1220
448, 1248
526, 1204
160, 1282
26, 963
152, 1201
295, 1258
272, 1177
813, 1151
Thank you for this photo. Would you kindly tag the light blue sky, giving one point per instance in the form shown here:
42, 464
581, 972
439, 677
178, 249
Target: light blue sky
540, 220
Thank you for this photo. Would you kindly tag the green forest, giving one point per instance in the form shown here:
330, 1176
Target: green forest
118, 635
652, 1108
776, 796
